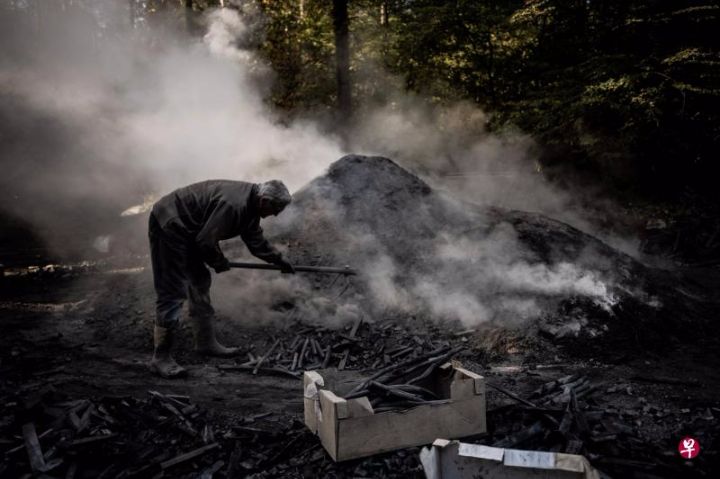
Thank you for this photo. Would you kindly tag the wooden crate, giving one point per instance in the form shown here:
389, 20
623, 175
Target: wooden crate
350, 429
456, 460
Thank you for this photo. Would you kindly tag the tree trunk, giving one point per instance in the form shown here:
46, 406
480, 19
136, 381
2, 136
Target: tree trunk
491, 70
189, 16
384, 15
342, 58
131, 11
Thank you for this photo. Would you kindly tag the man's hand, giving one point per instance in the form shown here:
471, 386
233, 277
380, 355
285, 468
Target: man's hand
222, 267
285, 266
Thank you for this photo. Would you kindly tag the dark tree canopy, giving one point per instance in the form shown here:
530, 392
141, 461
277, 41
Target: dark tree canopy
627, 91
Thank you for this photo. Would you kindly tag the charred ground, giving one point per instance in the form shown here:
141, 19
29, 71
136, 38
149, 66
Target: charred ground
649, 354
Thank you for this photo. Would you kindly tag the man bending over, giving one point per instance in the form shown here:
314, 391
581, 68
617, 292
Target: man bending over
185, 228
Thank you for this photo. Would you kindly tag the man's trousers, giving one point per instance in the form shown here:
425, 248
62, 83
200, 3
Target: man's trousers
179, 273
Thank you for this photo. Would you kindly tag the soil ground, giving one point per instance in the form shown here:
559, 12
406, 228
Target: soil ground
86, 331
89, 334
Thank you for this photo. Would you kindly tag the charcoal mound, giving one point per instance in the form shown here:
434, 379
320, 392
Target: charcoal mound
425, 254
377, 196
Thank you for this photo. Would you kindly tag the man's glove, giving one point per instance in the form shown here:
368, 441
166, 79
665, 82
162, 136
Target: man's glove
285, 266
222, 266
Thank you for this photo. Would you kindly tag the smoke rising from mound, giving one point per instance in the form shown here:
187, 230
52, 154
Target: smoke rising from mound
423, 254
99, 115
114, 113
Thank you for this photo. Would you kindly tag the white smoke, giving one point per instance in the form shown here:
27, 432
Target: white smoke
213, 121
139, 117
225, 28
477, 281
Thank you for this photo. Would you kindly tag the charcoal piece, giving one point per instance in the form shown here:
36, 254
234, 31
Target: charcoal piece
187, 456
34, 451
210, 471
265, 356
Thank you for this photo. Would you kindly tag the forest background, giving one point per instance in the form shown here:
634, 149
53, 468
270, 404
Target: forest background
624, 93
620, 98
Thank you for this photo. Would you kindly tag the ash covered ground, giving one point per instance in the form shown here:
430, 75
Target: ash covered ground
527, 298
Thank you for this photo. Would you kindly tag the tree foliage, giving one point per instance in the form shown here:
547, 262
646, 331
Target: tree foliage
627, 89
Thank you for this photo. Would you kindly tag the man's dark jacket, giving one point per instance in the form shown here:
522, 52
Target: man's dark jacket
215, 210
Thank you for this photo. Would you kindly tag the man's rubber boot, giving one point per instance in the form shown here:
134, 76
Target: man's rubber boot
205, 340
162, 362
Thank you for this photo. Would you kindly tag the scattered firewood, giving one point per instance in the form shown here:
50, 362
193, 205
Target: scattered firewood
303, 352
129, 437
524, 435
187, 456
521, 400
210, 471
32, 445
326, 358
346, 353
265, 356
